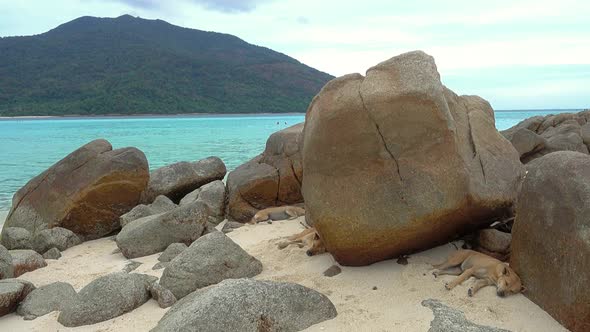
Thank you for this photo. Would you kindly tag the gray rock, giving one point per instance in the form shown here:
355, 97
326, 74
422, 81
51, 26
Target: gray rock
56, 237
172, 251
6, 268
163, 296
160, 265
230, 226
107, 297
333, 270
447, 319
12, 292
26, 260
131, 265
45, 299
248, 305
539, 136
16, 238
52, 253
162, 204
153, 234
213, 195
209, 260
177, 180
494, 240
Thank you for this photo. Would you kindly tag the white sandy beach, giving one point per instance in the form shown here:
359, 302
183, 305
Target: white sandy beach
394, 306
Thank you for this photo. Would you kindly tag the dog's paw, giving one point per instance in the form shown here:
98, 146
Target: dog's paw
470, 292
447, 286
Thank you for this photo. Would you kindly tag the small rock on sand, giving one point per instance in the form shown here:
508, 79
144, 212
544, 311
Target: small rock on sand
332, 271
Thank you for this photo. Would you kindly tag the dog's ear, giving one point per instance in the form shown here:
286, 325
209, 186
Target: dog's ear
522, 289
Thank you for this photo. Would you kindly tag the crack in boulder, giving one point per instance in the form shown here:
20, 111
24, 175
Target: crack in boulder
380, 135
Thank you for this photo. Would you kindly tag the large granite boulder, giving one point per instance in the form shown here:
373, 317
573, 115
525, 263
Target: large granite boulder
16, 238
45, 299
248, 305
270, 179
6, 268
12, 292
400, 163
26, 260
107, 297
538, 136
85, 192
161, 204
177, 180
213, 196
209, 260
551, 237
56, 237
153, 234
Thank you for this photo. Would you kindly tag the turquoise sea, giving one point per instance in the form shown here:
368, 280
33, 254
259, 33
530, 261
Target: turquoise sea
29, 146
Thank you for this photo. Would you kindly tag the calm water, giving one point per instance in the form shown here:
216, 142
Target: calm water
27, 147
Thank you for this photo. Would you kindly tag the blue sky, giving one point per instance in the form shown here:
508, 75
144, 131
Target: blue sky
517, 54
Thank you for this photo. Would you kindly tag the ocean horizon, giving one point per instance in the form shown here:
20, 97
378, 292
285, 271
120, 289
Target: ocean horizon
28, 146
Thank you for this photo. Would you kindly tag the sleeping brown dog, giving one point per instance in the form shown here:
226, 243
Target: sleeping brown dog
308, 237
489, 271
278, 213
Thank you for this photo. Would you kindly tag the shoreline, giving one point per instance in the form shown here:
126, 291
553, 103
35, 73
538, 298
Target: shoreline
147, 115
181, 115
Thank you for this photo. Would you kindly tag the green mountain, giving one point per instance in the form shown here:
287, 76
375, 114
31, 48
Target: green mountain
127, 65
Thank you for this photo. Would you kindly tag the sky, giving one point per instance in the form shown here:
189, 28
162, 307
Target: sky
517, 54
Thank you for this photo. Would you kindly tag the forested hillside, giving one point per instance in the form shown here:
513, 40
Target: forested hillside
127, 65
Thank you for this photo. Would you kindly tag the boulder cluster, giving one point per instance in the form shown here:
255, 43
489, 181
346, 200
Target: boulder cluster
385, 164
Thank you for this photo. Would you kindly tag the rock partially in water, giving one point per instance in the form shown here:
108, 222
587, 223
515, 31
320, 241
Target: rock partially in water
85, 192
537, 136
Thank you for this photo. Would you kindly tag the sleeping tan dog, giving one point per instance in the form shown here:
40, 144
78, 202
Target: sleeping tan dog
489, 271
277, 213
309, 237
